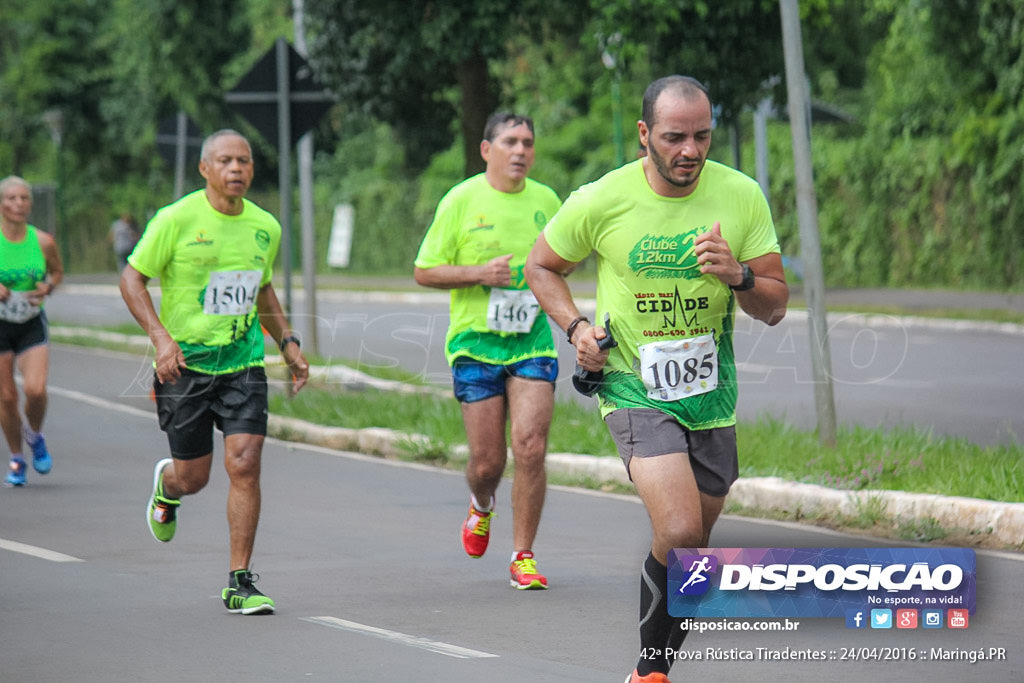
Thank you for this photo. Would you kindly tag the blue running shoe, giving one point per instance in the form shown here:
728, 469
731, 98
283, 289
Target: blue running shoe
16, 473
41, 460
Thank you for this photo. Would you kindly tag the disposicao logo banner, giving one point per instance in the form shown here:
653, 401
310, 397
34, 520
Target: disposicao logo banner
817, 582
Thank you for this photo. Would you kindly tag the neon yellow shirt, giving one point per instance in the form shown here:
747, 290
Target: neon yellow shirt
211, 267
473, 224
649, 282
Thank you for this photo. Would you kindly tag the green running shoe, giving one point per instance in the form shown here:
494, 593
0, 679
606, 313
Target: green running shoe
241, 597
162, 512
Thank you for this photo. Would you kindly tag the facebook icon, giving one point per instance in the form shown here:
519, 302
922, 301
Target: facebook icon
855, 618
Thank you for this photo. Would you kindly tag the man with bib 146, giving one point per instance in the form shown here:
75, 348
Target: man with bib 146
498, 343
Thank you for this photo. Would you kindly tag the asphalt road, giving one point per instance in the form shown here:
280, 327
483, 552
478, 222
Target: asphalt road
363, 559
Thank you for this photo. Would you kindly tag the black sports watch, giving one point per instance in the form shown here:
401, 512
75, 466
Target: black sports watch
748, 280
290, 338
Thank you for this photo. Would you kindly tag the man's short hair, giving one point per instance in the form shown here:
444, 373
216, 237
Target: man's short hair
686, 86
502, 120
213, 137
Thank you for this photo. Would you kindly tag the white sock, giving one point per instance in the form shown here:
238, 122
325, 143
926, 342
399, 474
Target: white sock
30, 435
478, 506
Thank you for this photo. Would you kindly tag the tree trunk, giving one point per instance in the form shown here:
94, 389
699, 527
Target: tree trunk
478, 103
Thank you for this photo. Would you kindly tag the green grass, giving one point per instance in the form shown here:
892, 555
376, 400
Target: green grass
898, 459
439, 418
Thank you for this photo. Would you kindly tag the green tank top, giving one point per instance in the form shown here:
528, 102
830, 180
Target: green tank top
22, 264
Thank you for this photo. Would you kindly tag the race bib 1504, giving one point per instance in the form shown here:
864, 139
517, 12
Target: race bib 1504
231, 292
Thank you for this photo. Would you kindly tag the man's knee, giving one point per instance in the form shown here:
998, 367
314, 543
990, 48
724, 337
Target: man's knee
529, 447
189, 479
682, 532
486, 465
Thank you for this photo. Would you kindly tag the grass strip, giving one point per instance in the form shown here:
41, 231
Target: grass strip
904, 459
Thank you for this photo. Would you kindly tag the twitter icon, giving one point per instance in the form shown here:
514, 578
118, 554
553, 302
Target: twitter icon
881, 618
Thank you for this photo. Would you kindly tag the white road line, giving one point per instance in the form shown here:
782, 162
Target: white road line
401, 638
100, 402
41, 553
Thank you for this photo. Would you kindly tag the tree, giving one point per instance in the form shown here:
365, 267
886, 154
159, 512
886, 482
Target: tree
49, 61
420, 65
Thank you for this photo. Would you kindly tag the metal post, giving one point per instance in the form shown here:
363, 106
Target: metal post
284, 173
761, 145
611, 61
180, 147
807, 216
306, 209
620, 143
54, 120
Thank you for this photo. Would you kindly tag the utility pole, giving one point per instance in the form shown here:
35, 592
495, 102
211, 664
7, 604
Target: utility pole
807, 217
308, 227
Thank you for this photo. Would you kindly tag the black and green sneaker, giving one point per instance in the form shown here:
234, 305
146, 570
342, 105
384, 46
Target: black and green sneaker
162, 512
241, 597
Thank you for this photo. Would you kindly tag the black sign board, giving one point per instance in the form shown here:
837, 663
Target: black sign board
257, 95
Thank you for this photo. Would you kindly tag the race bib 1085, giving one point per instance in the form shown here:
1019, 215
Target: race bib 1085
676, 369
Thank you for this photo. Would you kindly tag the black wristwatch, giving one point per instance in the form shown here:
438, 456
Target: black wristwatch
748, 280
290, 338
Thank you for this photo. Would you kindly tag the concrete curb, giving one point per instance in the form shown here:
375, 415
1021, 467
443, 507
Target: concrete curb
1002, 524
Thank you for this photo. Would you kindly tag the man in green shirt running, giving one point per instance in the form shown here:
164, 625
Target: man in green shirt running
680, 240
499, 342
213, 251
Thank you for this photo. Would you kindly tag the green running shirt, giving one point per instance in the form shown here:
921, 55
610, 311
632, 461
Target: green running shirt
649, 282
22, 264
211, 267
473, 224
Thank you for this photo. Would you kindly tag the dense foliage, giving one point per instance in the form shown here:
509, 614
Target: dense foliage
924, 188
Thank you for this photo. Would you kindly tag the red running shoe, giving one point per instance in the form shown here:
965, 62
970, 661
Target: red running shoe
524, 572
653, 677
476, 532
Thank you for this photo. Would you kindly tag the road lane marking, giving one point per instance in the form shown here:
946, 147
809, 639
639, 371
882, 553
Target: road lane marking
100, 402
401, 638
41, 553
362, 457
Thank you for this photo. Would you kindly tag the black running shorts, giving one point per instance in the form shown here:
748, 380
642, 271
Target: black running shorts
18, 337
189, 409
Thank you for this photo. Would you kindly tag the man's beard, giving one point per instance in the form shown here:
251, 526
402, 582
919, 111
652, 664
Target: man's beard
665, 171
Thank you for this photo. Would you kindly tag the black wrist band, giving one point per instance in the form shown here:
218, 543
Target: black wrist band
290, 338
747, 282
573, 325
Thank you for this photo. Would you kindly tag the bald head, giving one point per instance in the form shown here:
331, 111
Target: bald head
684, 87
